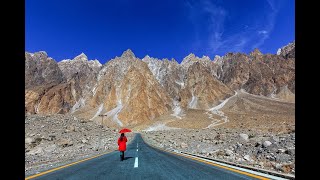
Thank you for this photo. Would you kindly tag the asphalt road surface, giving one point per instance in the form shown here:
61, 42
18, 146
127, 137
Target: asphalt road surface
142, 162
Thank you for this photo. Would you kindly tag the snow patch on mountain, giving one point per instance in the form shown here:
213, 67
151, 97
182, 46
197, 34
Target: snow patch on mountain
114, 114
177, 110
180, 83
80, 103
193, 103
216, 110
98, 111
156, 66
279, 51
222, 104
37, 107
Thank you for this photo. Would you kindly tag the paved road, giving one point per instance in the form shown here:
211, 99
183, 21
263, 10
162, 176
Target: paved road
144, 163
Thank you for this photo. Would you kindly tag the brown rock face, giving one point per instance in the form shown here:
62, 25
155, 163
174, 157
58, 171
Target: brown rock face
234, 70
51, 99
269, 74
50, 90
33, 97
189, 84
128, 93
144, 97
202, 90
168, 73
41, 69
83, 71
257, 73
41, 74
59, 99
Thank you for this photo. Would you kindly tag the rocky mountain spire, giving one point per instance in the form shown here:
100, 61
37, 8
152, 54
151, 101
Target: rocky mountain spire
41, 69
128, 54
287, 51
256, 52
81, 57
188, 58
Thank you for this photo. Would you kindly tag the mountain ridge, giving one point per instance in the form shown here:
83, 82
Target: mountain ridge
89, 88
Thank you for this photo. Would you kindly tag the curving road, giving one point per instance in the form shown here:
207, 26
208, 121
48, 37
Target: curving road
142, 162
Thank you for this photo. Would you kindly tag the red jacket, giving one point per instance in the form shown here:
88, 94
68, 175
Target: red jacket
122, 144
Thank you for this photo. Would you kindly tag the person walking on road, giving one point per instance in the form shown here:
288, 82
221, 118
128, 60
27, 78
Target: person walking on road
122, 143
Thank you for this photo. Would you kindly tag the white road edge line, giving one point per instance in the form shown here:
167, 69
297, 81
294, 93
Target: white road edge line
136, 162
242, 169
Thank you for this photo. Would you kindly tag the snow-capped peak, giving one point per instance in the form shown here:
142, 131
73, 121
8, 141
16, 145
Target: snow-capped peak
81, 57
279, 51
147, 58
205, 58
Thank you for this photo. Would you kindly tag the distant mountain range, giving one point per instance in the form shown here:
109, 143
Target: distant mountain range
131, 91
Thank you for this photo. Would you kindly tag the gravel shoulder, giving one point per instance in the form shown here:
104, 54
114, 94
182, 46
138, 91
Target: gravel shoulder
263, 150
52, 141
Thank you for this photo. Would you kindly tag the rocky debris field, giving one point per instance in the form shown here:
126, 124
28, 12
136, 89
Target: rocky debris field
258, 149
52, 141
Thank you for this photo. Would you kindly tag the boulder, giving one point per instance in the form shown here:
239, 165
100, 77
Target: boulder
266, 144
64, 143
29, 140
244, 137
247, 158
281, 150
50, 148
35, 151
228, 152
290, 151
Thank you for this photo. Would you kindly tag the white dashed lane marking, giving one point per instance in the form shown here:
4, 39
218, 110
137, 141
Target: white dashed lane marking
136, 163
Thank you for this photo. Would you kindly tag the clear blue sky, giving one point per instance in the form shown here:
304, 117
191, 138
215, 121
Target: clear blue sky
103, 29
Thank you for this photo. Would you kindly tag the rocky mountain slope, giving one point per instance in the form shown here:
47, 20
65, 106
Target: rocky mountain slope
57, 88
126, 92
41, 69
287, 51
132, 91
257, 73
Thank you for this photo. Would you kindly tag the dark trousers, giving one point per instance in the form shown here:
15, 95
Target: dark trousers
121, 155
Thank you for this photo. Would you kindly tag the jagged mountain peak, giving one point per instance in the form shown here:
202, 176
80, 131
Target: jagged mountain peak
192, 58
189, 59
146, 57
81, 57
287, 51
191, 55
41, 70
128, 54
256, 52
206, 58
96, 61
216, 57
174, 60
39, 54
159, 62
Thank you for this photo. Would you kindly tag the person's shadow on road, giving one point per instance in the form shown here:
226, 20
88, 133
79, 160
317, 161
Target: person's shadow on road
125, 158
